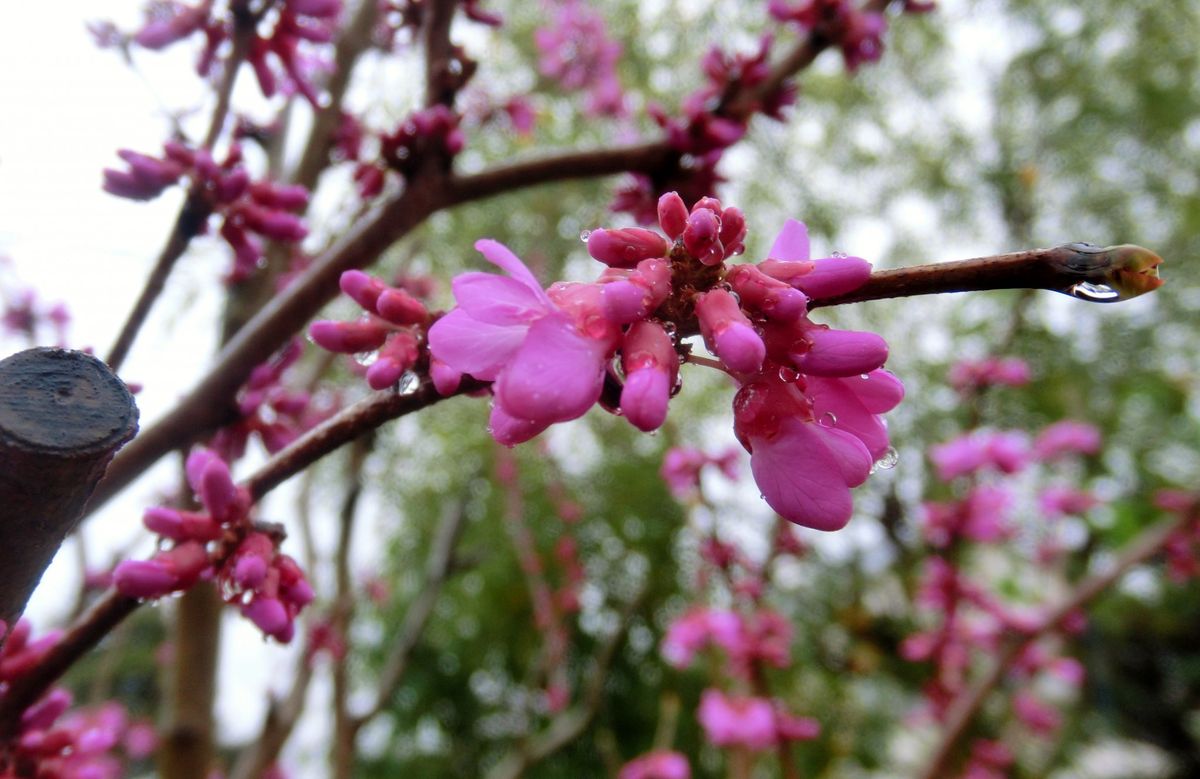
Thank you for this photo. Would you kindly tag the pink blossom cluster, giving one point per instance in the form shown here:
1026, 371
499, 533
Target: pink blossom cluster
575, 50
33, 320
660, 764
973, 623
969, 376
858, 33
52, 742
759, 637
393, 326
682, 465
429, 132
1183, 546
221, 544
750, 721
810, 398
283, 48
706, 129
249, 210
269, 409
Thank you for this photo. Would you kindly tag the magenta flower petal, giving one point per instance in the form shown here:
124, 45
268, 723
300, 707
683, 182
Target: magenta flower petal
801, 477
556, 375
833, 276
500, 255
509, 430
791, 244
470, 346
850, 455
834, 400
498, 300
879, 393
841, 353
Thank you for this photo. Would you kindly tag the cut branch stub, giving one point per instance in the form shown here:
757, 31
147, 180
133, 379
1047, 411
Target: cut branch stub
63, 414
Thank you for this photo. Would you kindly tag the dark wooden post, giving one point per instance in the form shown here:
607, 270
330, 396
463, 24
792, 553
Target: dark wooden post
63, 414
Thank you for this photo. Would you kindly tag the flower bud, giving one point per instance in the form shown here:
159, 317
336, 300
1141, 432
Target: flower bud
672, 214
841, 352
348, 337
728, 332
627, 247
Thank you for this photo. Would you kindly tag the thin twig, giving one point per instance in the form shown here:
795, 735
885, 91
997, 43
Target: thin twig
438, 567
569, 724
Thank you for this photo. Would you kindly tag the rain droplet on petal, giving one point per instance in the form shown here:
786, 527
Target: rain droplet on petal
366, 359
889, 459
585, 235
828, 419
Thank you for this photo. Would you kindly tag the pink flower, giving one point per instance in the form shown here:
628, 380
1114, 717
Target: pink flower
1057, 501
657, 765
508, 330
737, 721
1065, 438
691, 632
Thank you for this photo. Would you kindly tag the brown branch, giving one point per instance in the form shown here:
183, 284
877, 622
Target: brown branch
345, 426
1059, 269
62, 416
188, 224
343, 609
209, 404
355, 39
278, 725
963, 710
636, 158
195, 210
441, 83
82, 636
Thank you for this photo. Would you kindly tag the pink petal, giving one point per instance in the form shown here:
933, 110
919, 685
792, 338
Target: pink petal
556, 375
841, 353
879, 393
791, 244
500, 255
849, 454
834, 276
834, 399
801, 477
470, 346
509, 430
498, 300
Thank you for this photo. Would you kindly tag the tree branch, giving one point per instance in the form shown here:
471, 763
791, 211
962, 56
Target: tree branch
569, 724
1061, 269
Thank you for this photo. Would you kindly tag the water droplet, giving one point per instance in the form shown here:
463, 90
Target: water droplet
408, 384
839, 255
889, 459
654, 432
865, 376
1096, 293
585, 235
678, 386
828, 419
366, 359
787, 375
